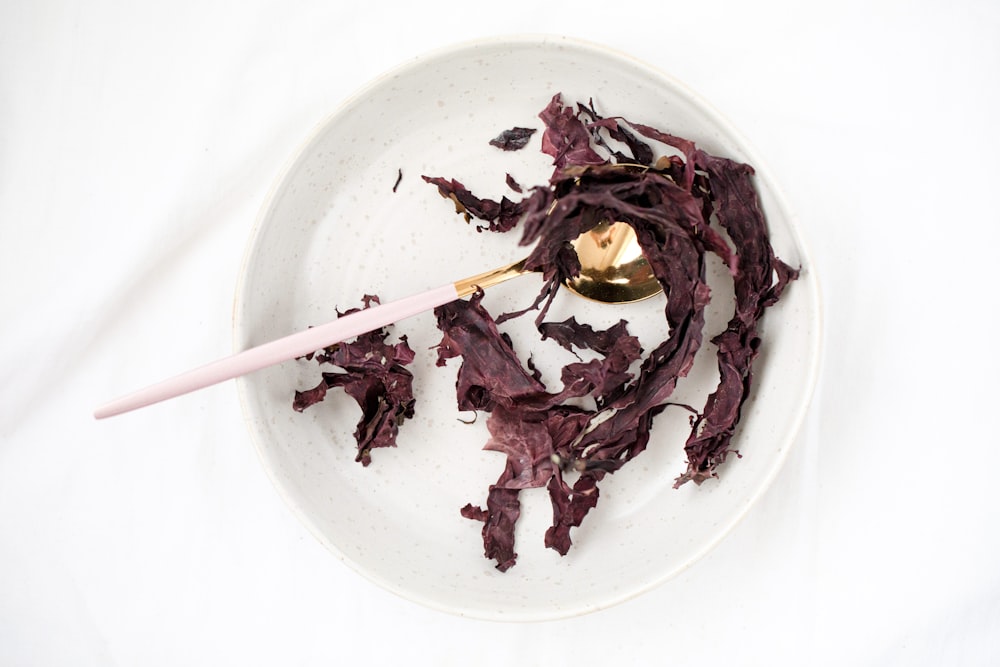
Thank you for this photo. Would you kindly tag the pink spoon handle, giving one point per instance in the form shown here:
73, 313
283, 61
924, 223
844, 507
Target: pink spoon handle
283, 349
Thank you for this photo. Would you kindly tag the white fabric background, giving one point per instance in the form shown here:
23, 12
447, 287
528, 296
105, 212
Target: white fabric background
137, 143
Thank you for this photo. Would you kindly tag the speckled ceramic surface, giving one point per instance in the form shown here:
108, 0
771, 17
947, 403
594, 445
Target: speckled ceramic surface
334, 230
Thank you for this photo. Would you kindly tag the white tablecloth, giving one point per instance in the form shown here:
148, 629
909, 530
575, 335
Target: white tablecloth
137, 143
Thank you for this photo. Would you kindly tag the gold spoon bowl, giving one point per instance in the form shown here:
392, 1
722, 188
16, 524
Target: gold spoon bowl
612, 268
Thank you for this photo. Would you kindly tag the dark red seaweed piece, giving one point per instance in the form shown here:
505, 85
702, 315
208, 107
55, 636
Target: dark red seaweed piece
514, 185
759, 282
565, 138
501, 216
534, 428
373, 373
513, 139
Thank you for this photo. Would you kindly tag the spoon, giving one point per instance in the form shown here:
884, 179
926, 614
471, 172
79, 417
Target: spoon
613, 271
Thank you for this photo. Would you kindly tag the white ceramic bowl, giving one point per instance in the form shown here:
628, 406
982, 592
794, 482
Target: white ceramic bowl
334, 230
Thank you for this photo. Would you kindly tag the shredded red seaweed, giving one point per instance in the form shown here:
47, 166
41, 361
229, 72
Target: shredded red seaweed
374, 374
683, 204
513, 139
672, 202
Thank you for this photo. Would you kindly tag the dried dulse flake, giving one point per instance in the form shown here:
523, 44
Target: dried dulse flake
532, 427
740, 215
513, 139
500, 216
373, 373
513, 184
